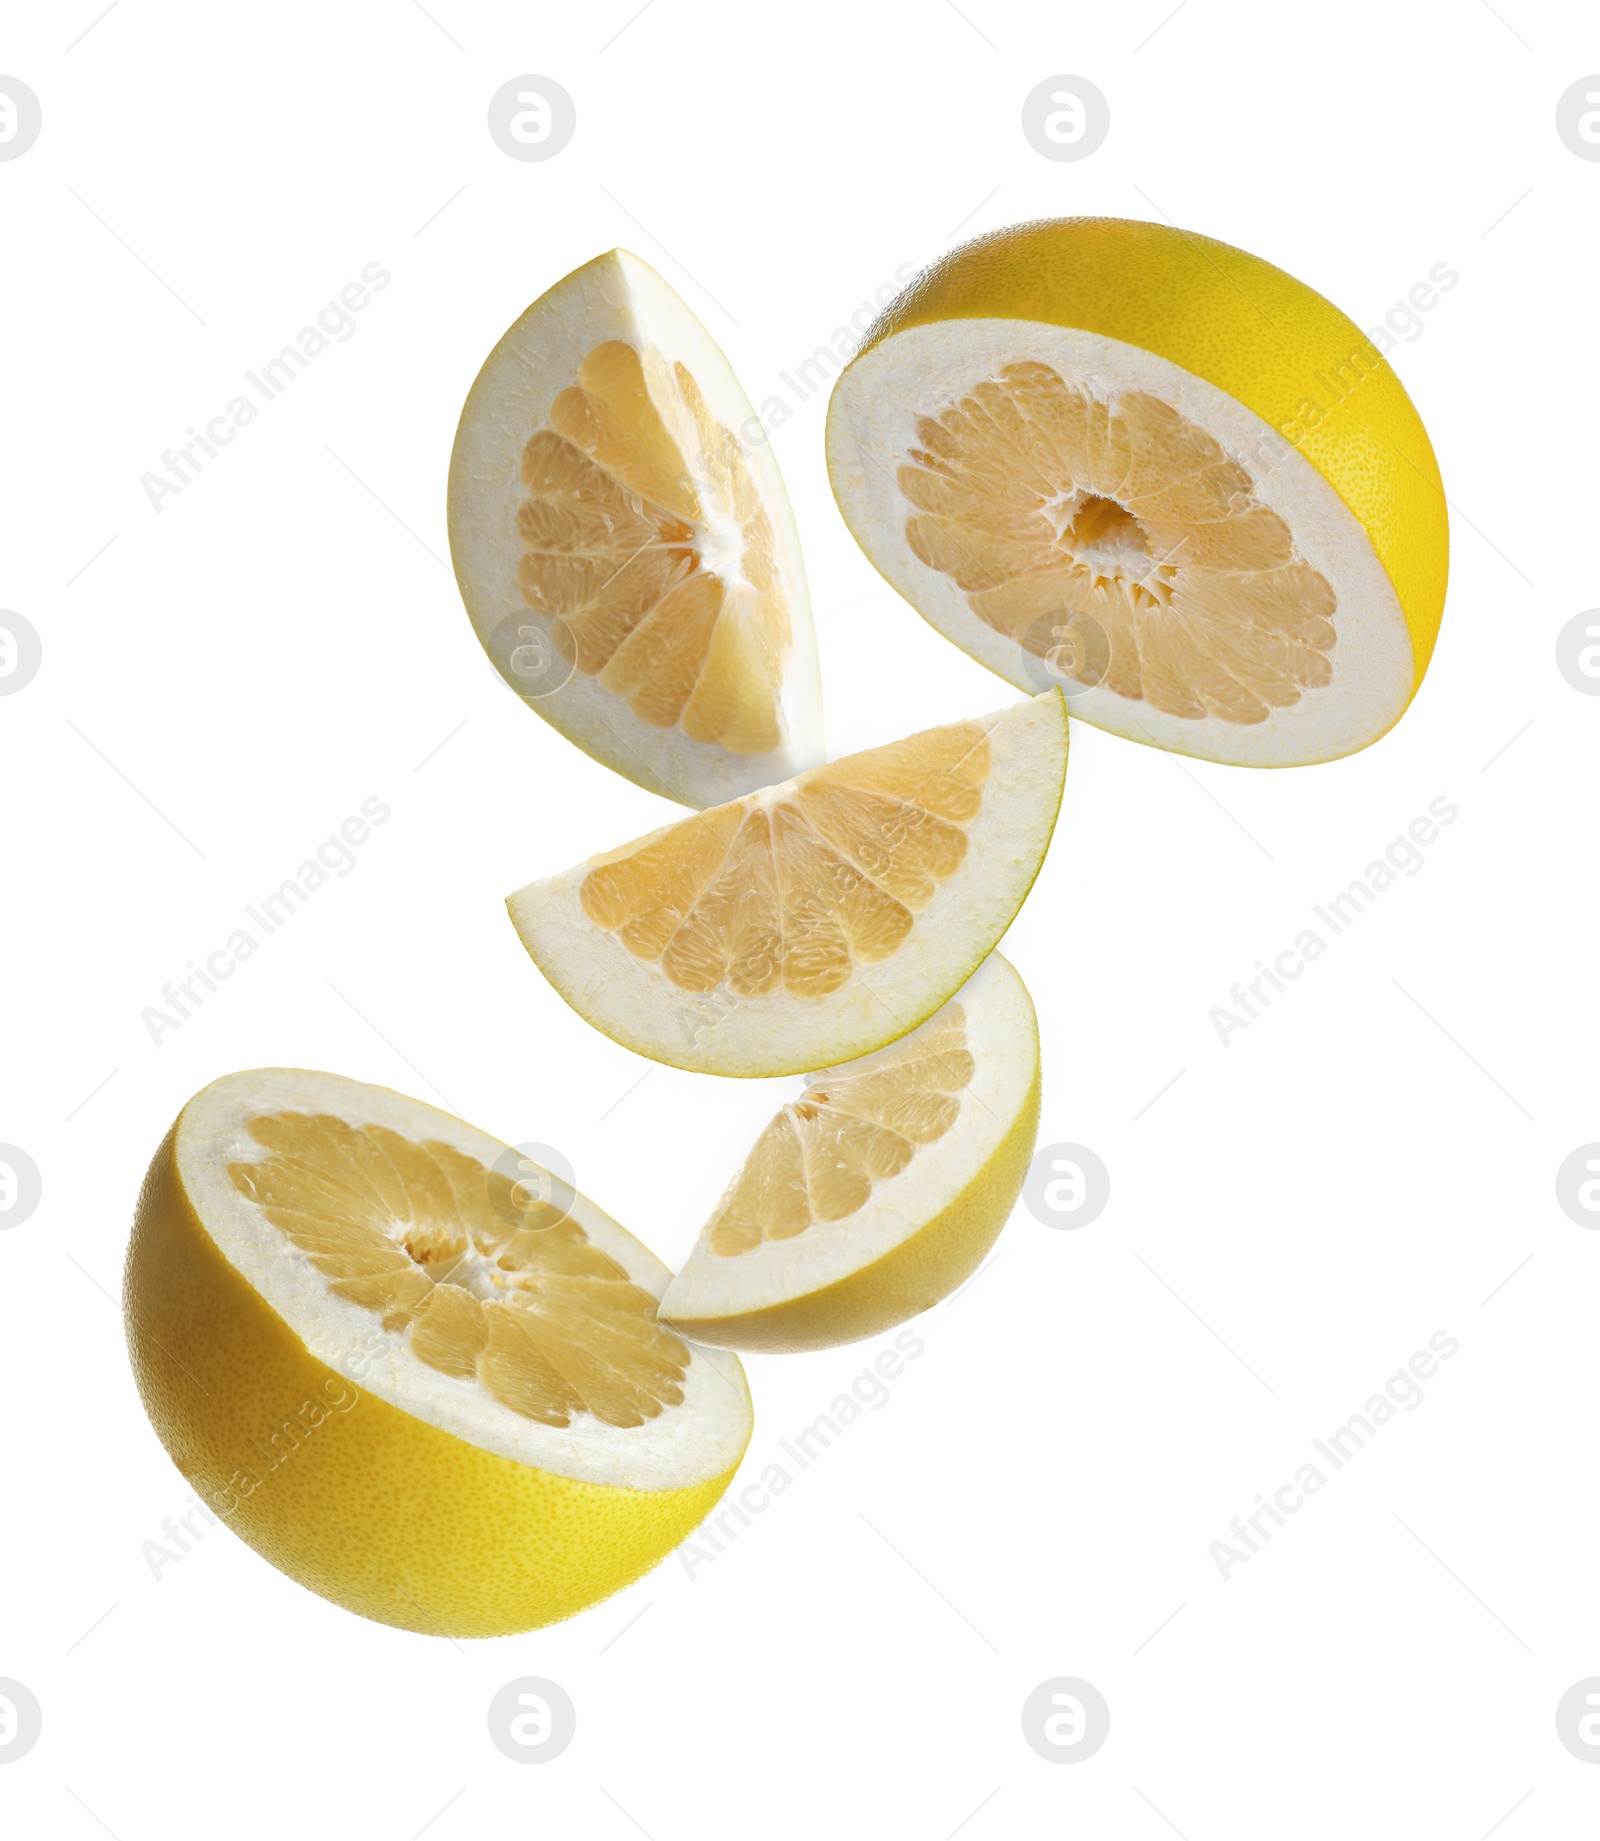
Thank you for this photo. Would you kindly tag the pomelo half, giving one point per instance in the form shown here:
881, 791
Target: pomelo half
1159, 471
878, 1190
818, 919
416, 1373
628, 561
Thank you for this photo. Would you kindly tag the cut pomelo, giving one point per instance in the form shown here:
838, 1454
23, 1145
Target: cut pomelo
880, 1189
814, 921
1158, 471
629, 564
413, 1371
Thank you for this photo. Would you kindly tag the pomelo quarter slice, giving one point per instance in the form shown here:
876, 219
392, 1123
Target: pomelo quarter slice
628, 561
816, 920
878, 1190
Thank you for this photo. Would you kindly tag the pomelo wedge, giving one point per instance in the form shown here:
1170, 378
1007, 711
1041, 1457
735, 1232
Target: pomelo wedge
404, 1378
814, 921
880, 1189
1159, 471
628, 562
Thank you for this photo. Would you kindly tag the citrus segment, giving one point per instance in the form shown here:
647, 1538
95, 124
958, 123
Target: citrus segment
806, 886
629, 563
879, 1188
669, 595
821, 1156
818, 919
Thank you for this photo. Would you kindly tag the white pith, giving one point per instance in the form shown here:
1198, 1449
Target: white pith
686, 1444
718, 1032
872, 429
618, 297
1003, 1039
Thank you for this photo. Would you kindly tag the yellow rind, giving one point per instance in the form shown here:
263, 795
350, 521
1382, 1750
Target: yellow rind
370, 1507
1250, 329
908, 1279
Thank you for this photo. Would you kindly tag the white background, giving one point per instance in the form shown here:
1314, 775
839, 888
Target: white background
1292, 1218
